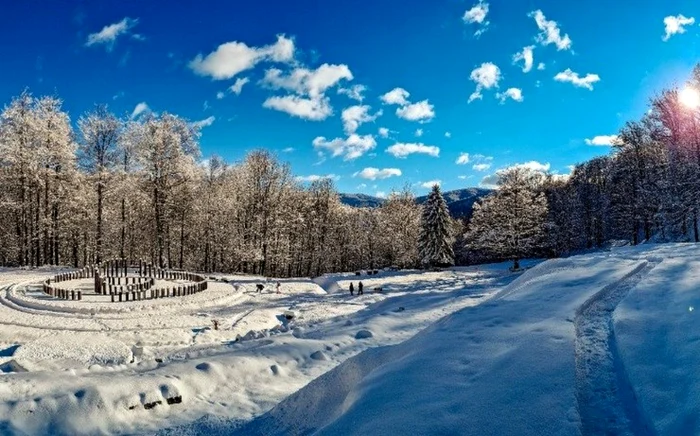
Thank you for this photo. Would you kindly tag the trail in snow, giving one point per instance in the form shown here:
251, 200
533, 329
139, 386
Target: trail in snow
606, 400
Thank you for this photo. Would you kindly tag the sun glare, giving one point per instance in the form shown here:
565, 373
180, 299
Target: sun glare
690, 97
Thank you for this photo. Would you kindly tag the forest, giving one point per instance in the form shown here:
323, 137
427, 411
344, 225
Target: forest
105, 187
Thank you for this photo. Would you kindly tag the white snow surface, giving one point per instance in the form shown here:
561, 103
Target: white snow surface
601, 343
548, 355
96, 367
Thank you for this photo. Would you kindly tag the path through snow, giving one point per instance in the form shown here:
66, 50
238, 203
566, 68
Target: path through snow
606, 400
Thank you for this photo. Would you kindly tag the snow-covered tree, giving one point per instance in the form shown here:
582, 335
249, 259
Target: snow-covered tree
166, 149
98, 155
435, 240
509, 223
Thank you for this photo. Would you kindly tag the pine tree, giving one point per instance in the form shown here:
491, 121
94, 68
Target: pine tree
435, 240
509, 223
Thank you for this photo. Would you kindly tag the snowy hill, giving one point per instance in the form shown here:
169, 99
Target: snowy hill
459, 201
544, 356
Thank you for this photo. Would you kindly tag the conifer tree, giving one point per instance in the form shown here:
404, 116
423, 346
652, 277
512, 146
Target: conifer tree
435, 240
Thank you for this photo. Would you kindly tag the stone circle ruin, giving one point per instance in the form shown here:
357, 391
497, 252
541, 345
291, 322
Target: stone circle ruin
117, 280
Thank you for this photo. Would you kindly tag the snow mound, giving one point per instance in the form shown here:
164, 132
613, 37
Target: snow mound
319, 355
364, 334
73, 350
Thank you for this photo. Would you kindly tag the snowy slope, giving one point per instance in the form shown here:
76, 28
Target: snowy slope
658, 330
535, 360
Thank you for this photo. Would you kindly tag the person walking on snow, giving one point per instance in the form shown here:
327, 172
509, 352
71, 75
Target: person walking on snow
359, 289
278, 287
352, 289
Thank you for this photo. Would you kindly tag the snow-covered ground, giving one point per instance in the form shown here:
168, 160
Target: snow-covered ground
548, 355
602, 343
96, 367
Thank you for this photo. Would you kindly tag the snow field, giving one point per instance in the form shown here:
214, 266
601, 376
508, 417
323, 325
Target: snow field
601, 343
183, 369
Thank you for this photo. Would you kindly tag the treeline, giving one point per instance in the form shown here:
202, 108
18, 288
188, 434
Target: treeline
646, 189
138, 189
112, 187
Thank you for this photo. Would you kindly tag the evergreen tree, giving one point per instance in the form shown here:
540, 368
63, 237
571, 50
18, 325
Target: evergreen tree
509, 223
435, 239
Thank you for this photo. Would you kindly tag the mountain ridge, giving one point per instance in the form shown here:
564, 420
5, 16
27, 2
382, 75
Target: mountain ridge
459, 201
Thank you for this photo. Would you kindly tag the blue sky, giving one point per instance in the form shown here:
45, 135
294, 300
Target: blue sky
288, 76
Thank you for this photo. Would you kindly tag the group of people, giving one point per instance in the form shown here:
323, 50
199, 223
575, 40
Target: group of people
359, 289
259, 287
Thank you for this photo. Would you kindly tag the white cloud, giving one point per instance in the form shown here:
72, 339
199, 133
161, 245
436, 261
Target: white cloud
220, 95
491, 181
448, 135
477, 15
396, 96
550, 32
541, 66
533, 165
315, 109
676, 24
109, 34
231, 58
512, 93
419, 133
380, 194
527, 57
422, 111
316, 177
354, 92
237, 87
203, 123
140, 109
307, 82
383, 132
486, 76
288, 150
354, 116
463, 159
481, 162
375, 173
603, 140
581, 82
430, 183
350, 148
402, 150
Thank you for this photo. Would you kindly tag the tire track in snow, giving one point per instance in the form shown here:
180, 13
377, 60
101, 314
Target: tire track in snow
607, 404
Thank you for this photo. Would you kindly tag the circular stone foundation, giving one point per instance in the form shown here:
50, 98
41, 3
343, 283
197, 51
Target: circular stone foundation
119, 281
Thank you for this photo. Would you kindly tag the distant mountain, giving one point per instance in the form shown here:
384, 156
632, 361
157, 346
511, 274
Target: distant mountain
459, 201
361, 200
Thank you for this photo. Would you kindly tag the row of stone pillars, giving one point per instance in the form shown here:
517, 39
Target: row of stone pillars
151, 294
64, 294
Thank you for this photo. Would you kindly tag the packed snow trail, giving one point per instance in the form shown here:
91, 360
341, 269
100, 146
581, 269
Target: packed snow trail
506, 366
606, 400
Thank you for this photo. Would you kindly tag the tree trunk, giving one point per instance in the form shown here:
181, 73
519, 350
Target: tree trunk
98, 239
